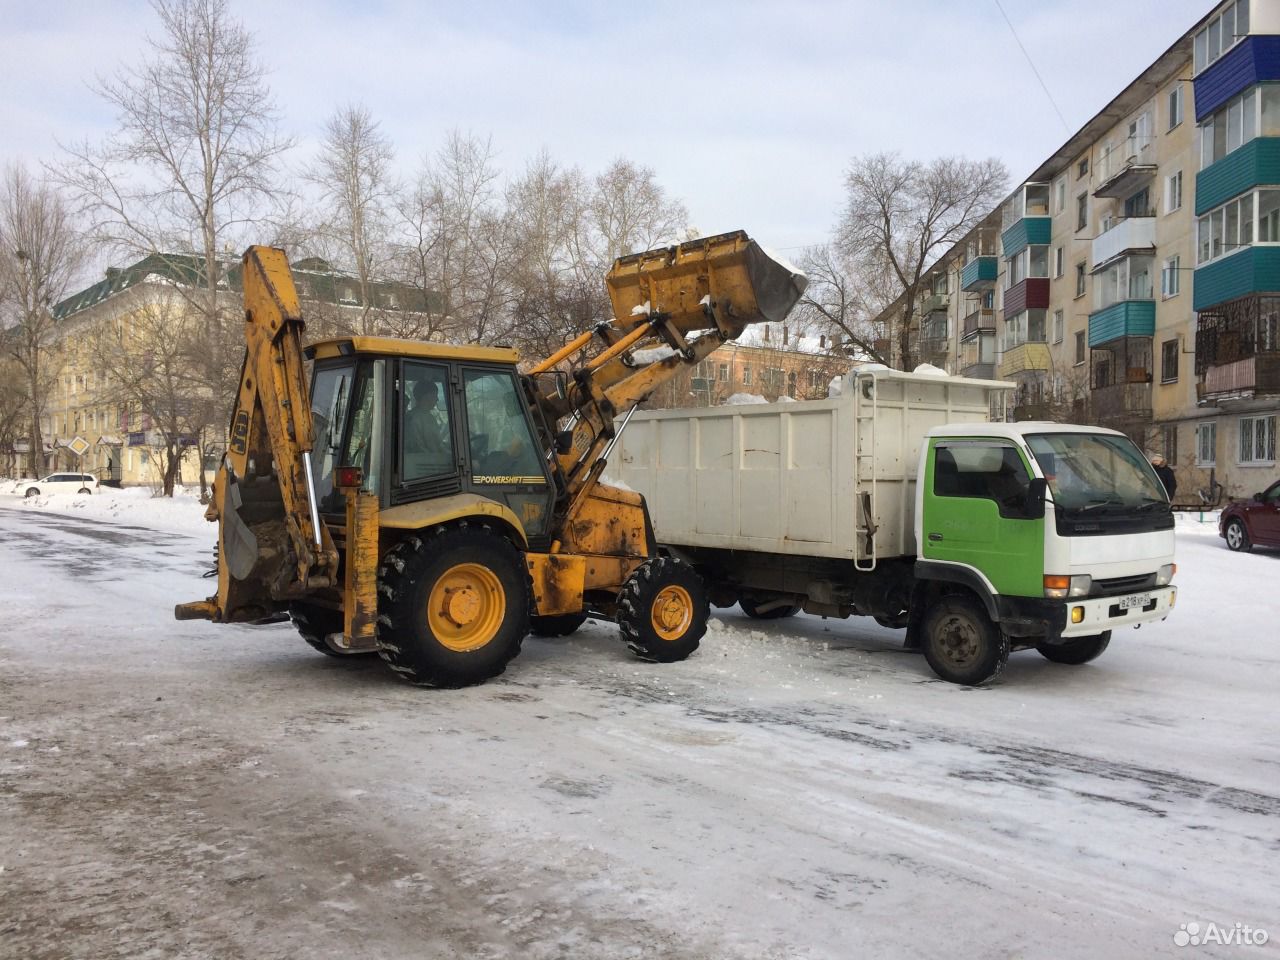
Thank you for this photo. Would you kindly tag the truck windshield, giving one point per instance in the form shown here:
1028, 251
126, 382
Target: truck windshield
1094, 472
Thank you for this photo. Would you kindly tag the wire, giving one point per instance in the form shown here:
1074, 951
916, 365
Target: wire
1032, 65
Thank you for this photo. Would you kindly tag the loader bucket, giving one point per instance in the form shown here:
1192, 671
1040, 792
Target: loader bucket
729, 273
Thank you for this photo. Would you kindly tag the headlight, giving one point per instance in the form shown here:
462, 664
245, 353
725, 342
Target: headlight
1165, 576
1060, 587
1081, 585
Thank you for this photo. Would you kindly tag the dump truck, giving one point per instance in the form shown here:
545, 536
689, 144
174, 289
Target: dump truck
901, 499
435, 503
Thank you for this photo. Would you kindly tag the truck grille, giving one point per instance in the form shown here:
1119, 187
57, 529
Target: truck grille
1118, 586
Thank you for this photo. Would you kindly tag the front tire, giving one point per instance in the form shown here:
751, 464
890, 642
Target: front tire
961, 644
752, 610
315, 623
86, 491
1238, 537
1076, 651
453, 606
32, 492
663, 610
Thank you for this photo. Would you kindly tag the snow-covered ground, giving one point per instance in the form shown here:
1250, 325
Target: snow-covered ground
801, 789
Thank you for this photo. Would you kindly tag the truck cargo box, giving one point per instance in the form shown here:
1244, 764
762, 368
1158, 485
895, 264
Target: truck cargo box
798, 478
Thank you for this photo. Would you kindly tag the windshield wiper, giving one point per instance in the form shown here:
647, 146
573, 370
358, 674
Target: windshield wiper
1099, 502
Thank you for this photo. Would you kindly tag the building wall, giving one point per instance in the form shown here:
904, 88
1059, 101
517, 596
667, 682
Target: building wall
770, 372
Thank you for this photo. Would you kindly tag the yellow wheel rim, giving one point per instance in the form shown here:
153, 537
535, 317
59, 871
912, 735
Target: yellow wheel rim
671, 613
466, 607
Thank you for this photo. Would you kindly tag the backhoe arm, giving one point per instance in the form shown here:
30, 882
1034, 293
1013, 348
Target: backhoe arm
272, 546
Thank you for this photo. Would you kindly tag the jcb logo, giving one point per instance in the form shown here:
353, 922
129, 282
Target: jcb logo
240, 433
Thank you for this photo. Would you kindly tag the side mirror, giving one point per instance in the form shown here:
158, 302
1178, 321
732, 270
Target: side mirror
564, 442
1036, 490
1257, 496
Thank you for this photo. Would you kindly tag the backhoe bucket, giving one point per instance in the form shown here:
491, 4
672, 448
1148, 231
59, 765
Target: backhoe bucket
727, 281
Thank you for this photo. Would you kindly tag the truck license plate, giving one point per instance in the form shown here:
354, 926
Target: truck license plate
1138, 600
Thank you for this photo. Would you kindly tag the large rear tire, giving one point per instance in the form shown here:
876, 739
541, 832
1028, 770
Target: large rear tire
663, 610
752, 609
1076, 651
961, 643
557, 626
453, 606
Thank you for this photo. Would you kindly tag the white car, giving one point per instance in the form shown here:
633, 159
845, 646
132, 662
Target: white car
57, 483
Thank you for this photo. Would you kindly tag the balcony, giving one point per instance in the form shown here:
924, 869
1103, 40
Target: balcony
979, 371
1040, 410
1257, 162
1025, 356
932, 349
1246, 379
1128, 318
1127, 178
1248, 271
1123, 401
1029, 231
934, 303
1128, 236
979, 273
980, 321
1030, 294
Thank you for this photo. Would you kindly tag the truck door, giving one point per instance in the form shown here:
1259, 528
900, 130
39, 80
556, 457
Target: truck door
974, 513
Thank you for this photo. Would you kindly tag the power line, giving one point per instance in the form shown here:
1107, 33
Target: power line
1031, 64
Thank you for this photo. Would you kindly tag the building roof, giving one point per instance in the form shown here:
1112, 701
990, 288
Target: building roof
315, 278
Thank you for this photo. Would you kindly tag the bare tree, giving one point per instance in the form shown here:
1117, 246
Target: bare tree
846, 303
41, 252
353, 174
631, 212
191, 164
901, 215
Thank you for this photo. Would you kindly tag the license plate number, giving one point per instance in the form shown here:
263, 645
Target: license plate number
1138, 600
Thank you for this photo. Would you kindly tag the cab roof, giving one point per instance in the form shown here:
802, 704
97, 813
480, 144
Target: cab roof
418, 349
1017, 430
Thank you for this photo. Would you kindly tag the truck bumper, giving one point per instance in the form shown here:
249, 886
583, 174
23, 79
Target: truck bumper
1108, 613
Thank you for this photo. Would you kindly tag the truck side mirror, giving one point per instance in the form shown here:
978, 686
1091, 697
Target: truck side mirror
1036, 490
564, 442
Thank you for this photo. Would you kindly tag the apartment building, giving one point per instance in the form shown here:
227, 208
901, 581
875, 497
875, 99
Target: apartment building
92, 422
1133, 280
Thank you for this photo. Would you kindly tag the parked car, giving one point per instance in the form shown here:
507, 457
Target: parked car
1255, 522
57, 483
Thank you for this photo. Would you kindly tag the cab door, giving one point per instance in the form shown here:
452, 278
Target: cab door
974, 513
503, 460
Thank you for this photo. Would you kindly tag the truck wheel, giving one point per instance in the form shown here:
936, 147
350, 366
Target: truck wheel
315, 623
1077, 650
961, 643
453, 606
662, 610
1237, 536
557, 626
750, 608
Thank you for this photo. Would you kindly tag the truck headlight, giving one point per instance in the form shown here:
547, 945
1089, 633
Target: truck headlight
1061, 587
1165, 575
1081, 584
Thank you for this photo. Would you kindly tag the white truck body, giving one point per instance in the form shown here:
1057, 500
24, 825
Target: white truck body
796, 478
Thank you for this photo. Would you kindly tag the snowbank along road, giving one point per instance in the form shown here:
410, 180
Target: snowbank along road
801, 789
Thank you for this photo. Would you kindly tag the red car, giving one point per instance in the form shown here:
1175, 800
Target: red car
1255, 522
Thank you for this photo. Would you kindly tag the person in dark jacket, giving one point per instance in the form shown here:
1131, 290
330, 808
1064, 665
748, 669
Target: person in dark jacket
1165, 473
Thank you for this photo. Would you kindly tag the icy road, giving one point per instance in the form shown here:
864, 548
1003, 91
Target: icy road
802, 790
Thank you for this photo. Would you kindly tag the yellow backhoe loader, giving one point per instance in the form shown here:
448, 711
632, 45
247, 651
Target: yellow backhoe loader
434, 504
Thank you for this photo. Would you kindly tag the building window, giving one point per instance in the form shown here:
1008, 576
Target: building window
1175, 106
724, 373
1254, 113
1206, 443
1060, 195
1057, 262
1170, 277
1173, 192
815, 379
1082, 169
1258, 439
1058, 325
1082, 211
1221, 34
746, 376
1169, 361
1169, 441
1079, 347
1080, 275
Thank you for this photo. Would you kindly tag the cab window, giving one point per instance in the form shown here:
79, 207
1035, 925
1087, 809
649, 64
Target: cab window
984, 471
498, 436
426, 443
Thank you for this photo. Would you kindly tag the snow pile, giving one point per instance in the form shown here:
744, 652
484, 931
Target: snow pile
785, 399
617, 484
183, 513
787, 265
652, 355
641, 309
929, 370
743, 399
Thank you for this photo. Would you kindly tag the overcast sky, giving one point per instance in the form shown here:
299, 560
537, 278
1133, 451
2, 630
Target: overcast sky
748, 111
